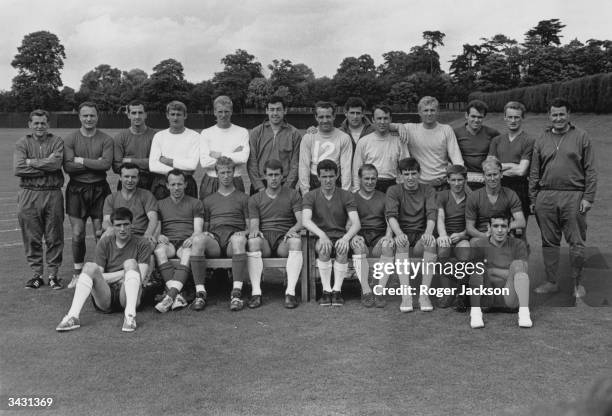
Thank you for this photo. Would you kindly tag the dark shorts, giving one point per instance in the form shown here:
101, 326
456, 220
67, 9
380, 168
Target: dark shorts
115, 303
85, 200
371, 237
314, 182
382, 184
223, 235
210, 185
274, 239
176, 244
161, 191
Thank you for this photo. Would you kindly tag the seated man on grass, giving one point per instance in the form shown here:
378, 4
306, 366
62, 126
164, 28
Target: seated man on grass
181, 222
412, 212
505, 282
225, 223
375, 238
325, 213
275, 215
114, 280
453, 241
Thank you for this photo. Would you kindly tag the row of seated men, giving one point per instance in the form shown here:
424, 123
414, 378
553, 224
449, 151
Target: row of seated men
398, 228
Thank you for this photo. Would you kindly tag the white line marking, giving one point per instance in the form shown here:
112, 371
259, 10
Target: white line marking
11, 230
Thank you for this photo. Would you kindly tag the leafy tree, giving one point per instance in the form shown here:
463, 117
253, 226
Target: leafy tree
402, 96
102, 85
238, 71
202, 96
260, 89
167, 83
319, 89
356, 77
132, 83
433, 39
545, 33
68, 100
39, 61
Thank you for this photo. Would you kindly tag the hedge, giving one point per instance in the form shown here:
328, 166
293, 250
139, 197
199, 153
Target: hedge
592, 94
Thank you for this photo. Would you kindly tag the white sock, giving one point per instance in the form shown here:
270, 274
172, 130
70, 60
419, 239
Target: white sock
385, 277
237, 285
325, 269
170, 284
294, 267
255, 268
475, 311
200, 288
131, 283
360, 263
524, 310
81, 293
340, 270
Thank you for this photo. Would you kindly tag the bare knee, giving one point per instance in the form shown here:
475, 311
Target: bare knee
238, 243
198, 243
254, 244
90, 269
358, 245
295, 244
130, 265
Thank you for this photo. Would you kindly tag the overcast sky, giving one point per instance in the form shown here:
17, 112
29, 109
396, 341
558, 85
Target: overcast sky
131, 34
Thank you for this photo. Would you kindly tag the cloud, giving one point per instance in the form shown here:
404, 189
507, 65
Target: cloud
140, 34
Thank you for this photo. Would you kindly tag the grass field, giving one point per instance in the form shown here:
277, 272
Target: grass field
311, 360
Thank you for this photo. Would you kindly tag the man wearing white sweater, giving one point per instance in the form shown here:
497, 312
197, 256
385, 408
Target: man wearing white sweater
223, 139
433, 144
174, 148
327, 143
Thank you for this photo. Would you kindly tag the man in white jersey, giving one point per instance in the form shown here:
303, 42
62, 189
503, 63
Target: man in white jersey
223, 139
381, 149
433, 144
175, 148
327, 143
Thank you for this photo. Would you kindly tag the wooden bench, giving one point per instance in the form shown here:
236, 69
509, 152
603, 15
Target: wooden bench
269, 263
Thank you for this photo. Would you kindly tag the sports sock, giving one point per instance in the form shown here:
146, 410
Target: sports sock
181, 274
78, 251
81, 293
340, 270
384, 260
167, 271
360, 263
325, 270
255, 268
294, 267
237, 285
131, 283
198, 269
174, 287
239, 267
404, 279
521, 287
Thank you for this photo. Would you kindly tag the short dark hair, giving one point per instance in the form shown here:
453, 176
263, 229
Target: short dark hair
128, 165
515, 105
560, 102
456, 170
367, 166
121, 213
135, 103
273, 164
176, 172
477, 105
409, 163
90, 104
382, 107
39, 113
499, 215
354, 102
224, 161
327, 164
176, 105
325, 104
275, 99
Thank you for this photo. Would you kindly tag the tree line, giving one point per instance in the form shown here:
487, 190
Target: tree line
497, 63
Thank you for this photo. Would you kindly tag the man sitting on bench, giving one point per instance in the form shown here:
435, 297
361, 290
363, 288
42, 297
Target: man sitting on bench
325, 213
275, 215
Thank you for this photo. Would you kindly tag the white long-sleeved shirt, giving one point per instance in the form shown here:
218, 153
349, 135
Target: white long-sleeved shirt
224, 141
434, 148
382, 152
336, 146
183, 148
